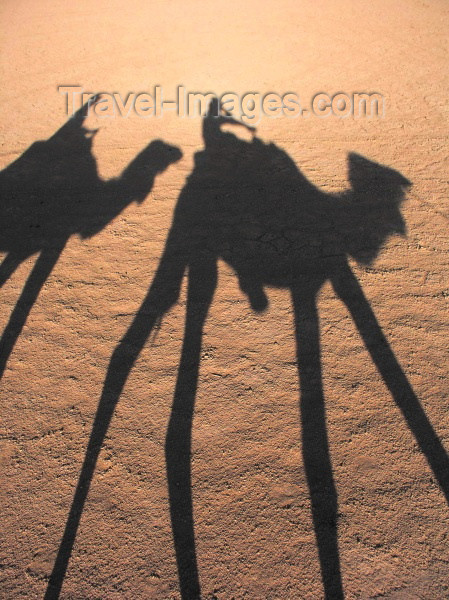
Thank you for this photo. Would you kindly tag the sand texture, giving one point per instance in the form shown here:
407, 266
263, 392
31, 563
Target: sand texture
224, 356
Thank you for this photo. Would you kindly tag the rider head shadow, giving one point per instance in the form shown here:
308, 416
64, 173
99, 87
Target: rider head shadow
53, 191
248, 204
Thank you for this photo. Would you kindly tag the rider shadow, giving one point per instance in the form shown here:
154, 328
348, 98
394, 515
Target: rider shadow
248, 204
53, 191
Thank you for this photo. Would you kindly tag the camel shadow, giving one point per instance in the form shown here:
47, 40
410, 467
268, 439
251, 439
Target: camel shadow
53, 191
248, 204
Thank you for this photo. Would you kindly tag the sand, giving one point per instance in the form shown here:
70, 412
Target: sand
254, 533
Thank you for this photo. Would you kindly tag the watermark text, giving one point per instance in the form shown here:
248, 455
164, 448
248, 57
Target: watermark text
250, 106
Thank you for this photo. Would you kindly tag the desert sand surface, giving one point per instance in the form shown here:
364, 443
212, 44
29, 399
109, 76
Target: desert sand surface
333, 488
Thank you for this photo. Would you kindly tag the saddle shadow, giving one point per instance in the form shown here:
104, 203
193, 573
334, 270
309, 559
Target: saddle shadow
53, 191
248, 204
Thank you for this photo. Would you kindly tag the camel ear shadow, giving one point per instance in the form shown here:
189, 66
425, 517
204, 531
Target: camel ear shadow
368, 176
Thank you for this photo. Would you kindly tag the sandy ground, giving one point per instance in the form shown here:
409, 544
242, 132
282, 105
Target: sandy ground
254, 534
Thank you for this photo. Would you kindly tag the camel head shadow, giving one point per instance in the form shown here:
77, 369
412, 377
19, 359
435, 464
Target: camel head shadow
372, 208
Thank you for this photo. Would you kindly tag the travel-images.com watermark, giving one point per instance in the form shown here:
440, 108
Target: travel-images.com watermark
250, 107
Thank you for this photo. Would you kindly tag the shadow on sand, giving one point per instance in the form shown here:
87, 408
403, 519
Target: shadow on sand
53, 191
249, 205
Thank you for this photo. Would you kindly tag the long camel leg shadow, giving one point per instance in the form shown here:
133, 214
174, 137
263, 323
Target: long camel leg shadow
315, 446
350, 292
9, 264
202, 282
154, 306
39, 274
